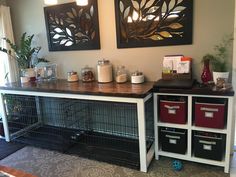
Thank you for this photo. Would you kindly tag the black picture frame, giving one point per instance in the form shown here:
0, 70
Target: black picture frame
154, 23
72, 27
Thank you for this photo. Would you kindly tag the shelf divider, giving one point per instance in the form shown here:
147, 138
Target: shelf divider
191, 127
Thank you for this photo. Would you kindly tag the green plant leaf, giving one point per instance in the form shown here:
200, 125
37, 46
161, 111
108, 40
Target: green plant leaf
23, 52
220, 60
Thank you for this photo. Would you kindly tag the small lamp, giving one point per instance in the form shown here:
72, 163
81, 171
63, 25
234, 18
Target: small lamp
82, 2
50, 2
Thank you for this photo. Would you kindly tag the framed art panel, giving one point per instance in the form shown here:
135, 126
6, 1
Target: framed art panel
72, 27
146, 23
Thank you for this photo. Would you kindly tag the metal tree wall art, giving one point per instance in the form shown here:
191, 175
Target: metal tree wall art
142, 23
72, 27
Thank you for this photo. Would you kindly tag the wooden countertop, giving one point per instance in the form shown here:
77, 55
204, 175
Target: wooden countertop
109, 89
92, 88
196, 89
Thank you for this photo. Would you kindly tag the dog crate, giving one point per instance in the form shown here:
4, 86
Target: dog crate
105, 131
21, 112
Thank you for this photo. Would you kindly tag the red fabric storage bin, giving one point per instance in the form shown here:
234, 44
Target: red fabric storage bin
209, 115
173, 111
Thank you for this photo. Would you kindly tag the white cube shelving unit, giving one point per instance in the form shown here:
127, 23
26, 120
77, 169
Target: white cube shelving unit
190, 127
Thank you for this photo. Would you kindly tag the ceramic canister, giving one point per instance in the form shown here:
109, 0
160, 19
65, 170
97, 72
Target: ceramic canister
137, 77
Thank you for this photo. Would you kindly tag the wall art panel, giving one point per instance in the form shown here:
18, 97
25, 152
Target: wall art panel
72, 27
145, 23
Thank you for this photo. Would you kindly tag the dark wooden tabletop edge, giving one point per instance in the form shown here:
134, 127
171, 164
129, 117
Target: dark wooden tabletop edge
195, 92
128, 95
142, 91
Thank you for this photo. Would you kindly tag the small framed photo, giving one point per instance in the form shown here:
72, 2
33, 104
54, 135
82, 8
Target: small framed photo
46, 72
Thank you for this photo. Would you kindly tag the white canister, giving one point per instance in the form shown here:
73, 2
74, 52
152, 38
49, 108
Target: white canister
137, 77
24, 79
104, 69
28, 72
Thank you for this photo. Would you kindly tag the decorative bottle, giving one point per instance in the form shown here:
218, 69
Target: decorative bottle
206, 73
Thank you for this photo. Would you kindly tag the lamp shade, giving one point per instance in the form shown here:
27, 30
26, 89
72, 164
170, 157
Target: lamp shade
50, 2
82, 2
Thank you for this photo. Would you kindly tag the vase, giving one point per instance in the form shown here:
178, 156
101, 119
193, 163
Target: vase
206, 73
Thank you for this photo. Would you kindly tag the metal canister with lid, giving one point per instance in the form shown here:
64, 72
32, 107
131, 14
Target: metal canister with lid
104, 68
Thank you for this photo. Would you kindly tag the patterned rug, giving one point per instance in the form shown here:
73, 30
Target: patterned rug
7, 148
45, 163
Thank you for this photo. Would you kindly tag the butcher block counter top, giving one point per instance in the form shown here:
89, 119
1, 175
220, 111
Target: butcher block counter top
91, 88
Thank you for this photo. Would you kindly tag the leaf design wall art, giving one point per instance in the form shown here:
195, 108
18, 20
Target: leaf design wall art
72, 27
144, 23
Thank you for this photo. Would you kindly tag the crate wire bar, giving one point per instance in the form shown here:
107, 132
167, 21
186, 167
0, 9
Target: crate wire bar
105, 131
21, 113
149, 121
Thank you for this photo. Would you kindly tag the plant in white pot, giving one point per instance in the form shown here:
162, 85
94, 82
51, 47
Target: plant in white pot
23, 55
220, 60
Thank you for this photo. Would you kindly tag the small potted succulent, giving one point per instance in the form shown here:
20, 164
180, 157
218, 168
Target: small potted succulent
220, 60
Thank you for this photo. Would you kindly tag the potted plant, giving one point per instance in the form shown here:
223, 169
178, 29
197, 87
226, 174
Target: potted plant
220, 60
23, 55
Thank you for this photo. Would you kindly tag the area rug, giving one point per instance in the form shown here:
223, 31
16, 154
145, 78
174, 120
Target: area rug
8, 148
45, 163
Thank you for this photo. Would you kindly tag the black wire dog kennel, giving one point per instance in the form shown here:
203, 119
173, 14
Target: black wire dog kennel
106, 131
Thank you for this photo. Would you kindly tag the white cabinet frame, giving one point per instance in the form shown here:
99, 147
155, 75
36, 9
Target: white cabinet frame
145, 157
189, 126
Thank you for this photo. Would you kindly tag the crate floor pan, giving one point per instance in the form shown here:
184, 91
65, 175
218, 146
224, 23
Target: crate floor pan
108, 148
92, 145
48, 137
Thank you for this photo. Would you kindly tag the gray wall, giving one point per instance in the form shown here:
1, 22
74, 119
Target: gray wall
2, 2
212, 20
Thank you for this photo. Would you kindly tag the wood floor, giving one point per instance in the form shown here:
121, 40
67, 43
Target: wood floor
14, 172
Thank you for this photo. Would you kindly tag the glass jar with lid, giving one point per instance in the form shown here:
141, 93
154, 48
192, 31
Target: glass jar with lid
104, 69
72, 76
87, 74
121, 74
